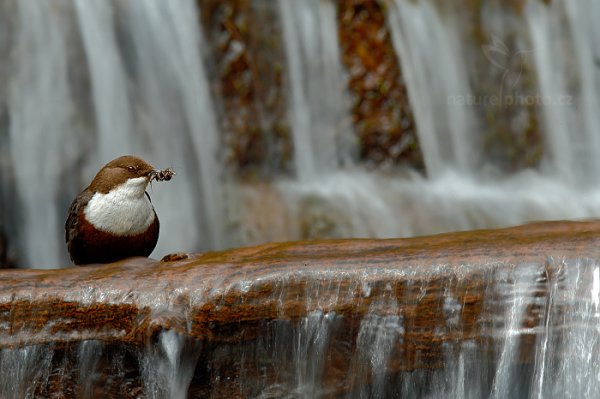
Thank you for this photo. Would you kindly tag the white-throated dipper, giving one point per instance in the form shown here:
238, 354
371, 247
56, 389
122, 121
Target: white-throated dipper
113, 218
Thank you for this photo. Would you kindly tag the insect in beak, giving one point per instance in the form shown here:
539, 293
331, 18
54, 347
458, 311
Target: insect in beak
161, 175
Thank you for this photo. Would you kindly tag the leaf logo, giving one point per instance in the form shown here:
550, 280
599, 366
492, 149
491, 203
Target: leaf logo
511, 62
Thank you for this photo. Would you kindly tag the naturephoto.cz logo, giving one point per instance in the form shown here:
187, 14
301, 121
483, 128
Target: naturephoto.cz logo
512, 65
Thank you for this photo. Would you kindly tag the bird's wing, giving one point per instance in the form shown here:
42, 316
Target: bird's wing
76, 206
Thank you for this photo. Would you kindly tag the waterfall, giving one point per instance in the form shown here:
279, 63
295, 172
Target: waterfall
87, 81
109, 86
178, 115
147, 95
535, 336
168, 367
84, 81
566, 50
43, 144
317, 90
429, 50
451, 102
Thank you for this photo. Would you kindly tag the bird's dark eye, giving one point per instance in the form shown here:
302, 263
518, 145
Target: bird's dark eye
131, 168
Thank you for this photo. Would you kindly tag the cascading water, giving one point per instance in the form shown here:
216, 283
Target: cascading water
90, 80
177, 114
464, 189
168, 368
536, 338
131, 77
430, 52
110, 96
570, 88
144, 92
317, 95
42, 140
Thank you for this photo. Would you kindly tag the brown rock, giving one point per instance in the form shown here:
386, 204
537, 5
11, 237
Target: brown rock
244, 309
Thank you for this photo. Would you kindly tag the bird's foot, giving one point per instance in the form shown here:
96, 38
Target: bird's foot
175, 257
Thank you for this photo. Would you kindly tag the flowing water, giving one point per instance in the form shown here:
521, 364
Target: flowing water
432, 60
537, 337
85, 81
144, 92
310, 32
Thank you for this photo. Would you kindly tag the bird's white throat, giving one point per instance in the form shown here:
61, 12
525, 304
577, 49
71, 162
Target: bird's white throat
125, 210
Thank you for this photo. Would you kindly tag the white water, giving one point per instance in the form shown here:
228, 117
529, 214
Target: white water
42, 141
91, 80
178, 118
570, 80
109, 86
146, 95
462, 190
318, 110
430, 53
168, 367
549, 310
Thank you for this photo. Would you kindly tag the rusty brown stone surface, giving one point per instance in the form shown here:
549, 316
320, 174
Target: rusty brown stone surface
381, 110
245, 42
243, 308
208, 296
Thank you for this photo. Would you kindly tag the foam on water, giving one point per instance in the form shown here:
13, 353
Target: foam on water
168, 367
361, 204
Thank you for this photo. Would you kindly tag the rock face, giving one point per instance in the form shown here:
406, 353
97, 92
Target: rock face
347, 318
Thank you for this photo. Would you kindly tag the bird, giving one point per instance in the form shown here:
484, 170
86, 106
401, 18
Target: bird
113, 218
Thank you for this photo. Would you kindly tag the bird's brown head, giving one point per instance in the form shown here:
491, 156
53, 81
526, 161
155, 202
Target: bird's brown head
118, 171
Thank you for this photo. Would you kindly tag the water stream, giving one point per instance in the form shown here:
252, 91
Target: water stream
85, 81
90, 80
537, 338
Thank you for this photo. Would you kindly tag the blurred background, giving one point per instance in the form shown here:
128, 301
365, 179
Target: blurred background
299, 119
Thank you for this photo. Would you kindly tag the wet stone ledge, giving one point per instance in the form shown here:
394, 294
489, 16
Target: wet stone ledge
323, 318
